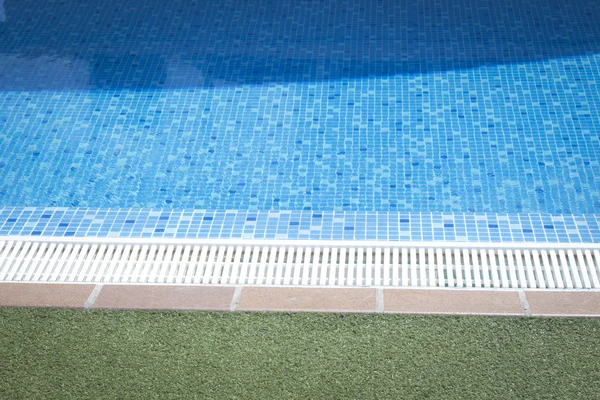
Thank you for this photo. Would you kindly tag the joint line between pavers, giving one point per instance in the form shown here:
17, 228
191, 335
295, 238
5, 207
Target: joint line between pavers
524, 303
89, 303
237, 295
379, 304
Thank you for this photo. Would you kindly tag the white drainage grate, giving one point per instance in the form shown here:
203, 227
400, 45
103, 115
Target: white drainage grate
302, 264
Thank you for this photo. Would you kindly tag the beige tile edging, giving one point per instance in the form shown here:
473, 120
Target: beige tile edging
162, 297
55, 295
308, 299
465, 302
555, 303
297, 299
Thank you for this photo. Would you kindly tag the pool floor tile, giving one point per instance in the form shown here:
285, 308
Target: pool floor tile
554, 303
44, 295
307, 299
466, 302
156, 297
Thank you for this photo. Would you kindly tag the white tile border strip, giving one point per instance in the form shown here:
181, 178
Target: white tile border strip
300, 243
299, 225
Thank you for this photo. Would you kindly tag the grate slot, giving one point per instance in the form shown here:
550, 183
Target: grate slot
386, 267
458, 268
14, 259
485, 269
593, 266
41, 262
430, 266
310, 265
450, 268
520, 268
350, 281
531, 278
581, 266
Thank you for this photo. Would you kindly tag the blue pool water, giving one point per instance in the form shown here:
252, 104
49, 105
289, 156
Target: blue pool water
388, 106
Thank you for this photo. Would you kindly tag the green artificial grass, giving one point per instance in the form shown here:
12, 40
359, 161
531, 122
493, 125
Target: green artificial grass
61, 354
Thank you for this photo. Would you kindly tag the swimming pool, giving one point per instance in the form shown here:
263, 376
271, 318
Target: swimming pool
431, 120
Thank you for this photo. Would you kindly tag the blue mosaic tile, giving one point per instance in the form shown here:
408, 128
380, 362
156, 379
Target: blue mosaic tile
348, 225
417, 106
450, 120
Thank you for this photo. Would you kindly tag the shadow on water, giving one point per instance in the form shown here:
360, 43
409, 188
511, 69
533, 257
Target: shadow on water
144, 44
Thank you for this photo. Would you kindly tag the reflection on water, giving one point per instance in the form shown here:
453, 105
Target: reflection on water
154, 44
43, 72
2, 12
332, 105
182, 74
46, 73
